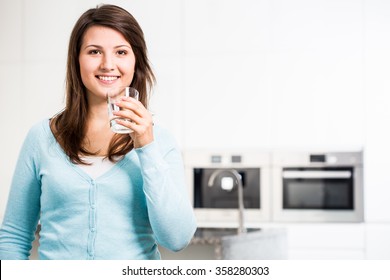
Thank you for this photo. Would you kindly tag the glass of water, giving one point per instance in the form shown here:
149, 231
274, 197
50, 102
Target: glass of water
114, 95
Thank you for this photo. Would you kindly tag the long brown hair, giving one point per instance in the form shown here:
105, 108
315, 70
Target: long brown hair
69, 125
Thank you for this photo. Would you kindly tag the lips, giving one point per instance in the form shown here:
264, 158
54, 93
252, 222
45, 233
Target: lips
107, 78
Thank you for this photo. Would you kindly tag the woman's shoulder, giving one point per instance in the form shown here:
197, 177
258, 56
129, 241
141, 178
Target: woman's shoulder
39, 130
40, 127
37, 137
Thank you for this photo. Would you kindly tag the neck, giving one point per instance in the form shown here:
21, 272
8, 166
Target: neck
97, 109
97, 119
98, 132
97, 114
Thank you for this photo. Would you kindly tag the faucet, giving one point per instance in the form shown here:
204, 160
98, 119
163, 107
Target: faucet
241, 229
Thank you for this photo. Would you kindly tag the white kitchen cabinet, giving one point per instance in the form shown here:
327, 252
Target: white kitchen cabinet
326, 241
226, 85
286, 74
378, 241
316, 70
310, 241
323, 254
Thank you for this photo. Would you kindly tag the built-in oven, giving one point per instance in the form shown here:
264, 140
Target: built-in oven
213, 178
317, 187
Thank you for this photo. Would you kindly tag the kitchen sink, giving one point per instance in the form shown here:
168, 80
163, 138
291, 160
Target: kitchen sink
256, 244
219, 232
242, 243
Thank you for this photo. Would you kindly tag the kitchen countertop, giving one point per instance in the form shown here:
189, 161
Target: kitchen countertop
214, 236
228, 244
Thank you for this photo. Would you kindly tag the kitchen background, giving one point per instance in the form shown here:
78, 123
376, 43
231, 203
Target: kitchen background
233, 74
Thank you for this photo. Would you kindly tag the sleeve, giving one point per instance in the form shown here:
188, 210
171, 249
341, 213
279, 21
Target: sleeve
170, 212
23, 206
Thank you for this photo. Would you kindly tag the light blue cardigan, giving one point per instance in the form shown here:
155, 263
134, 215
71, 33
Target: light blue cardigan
140, 202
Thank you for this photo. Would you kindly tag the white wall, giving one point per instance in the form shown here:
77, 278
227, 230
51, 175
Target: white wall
274, 74
298, 74
377, 104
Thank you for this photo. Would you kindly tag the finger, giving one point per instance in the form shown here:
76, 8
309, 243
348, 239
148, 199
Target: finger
138, 130
143, 118
132, 104
129, 115
129, 124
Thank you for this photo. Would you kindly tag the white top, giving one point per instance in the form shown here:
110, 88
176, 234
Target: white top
98, 165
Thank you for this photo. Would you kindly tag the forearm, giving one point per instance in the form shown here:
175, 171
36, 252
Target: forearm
170, 211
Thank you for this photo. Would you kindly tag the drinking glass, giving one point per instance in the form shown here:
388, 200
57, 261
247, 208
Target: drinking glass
114, 95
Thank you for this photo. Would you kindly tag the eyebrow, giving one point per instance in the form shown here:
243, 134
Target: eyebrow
100, 47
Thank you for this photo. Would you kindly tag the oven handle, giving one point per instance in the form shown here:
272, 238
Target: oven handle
309, 174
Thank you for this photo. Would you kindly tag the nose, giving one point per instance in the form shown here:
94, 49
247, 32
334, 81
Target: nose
107, 63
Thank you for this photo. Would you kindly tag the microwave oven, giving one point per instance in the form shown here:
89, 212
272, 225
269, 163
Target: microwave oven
317, 187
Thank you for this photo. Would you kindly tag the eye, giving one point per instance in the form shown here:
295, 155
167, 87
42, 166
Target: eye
94, 52
122, 52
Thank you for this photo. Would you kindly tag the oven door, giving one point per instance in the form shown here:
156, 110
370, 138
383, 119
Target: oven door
217, 205
225, 195
318, 188
318, 194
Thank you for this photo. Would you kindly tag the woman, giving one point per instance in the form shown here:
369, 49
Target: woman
97, 194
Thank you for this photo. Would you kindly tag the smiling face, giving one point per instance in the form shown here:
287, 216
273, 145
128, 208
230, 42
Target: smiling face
106, 60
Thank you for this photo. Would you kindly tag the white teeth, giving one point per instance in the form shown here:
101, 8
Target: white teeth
108, 78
